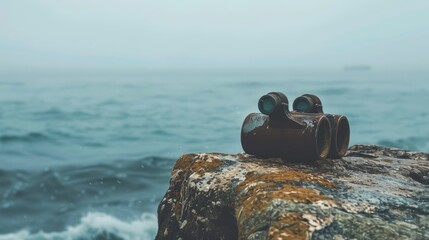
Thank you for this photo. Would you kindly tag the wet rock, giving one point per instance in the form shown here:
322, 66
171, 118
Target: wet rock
371, 193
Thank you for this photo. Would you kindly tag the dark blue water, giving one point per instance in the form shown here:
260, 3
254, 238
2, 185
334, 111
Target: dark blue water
87, 155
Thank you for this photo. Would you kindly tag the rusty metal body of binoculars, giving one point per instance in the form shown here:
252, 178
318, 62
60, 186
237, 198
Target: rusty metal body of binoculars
304, 134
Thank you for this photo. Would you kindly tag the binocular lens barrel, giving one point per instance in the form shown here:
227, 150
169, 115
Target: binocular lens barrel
323, 135
340, 135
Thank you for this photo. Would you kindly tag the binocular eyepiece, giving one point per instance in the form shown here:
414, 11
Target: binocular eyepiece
308, 103
304, 134
272, 102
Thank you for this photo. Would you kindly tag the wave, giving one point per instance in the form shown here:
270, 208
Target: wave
411, 143
51, 136
29, 137
121, 187
96, 225
60, 114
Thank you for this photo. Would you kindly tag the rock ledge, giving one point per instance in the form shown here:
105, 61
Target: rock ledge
371, 193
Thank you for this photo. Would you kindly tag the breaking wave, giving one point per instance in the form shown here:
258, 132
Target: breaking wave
96, 225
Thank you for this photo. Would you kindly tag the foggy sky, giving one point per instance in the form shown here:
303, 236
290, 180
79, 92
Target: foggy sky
213, 34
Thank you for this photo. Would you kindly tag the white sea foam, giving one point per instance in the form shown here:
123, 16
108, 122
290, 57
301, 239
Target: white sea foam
96, 224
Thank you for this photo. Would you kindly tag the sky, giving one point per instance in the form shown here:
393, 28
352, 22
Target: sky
190, 34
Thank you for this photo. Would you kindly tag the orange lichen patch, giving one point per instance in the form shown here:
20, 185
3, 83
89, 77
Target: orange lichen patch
290, 226
197, 163
187, 165
205, 165
260, 195
287, 176
297, 194
173, 197
184, 162
258, 191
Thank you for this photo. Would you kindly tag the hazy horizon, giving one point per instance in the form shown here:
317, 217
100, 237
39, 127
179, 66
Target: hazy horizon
52, 35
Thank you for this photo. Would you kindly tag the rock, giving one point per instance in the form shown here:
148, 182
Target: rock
371, 193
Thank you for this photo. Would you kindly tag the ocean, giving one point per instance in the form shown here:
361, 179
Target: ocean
88, 155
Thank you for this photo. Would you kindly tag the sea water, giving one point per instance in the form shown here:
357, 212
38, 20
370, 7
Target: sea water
86, 155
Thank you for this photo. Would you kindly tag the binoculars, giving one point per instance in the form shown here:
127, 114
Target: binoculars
304, 134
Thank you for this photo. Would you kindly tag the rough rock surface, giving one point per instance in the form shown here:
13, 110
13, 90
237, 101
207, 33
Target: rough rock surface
371, 193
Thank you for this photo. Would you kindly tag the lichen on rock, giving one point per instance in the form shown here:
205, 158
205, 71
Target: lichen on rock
371, 193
